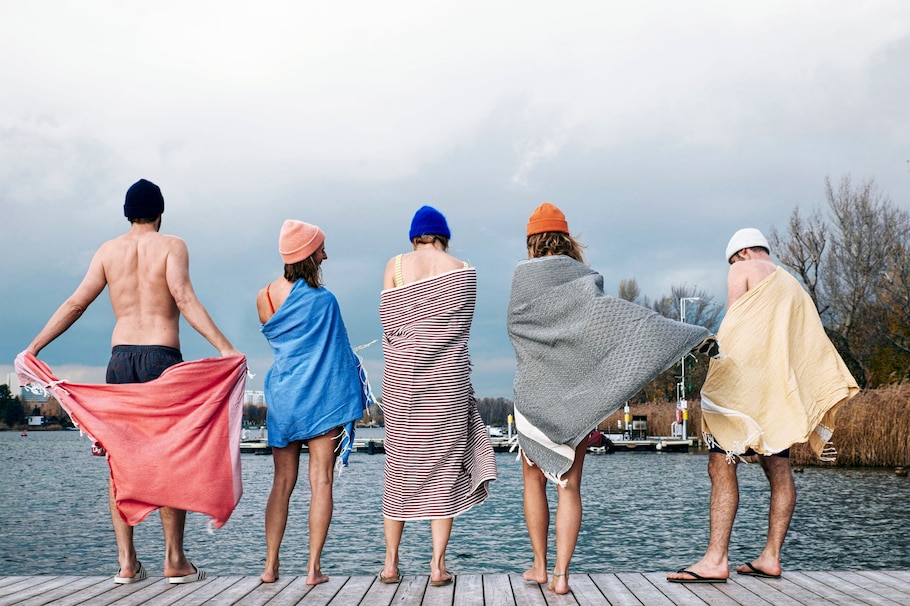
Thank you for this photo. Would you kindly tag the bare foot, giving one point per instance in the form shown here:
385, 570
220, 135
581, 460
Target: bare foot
315, 577
560, 583
439, 578
269, 575
534, 575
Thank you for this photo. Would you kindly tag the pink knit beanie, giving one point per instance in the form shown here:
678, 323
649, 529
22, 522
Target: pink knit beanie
298, 240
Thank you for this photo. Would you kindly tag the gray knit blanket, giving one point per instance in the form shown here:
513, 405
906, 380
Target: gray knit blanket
581, 354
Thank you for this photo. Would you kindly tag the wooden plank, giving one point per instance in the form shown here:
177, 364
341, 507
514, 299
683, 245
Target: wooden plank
468, 590
265, 592
37, 586
840, 582
525, 592
380, 593
22, 584
741, 594
885, 578
292, 593
353, 590
323, 593
88, 593
643, 589
586, 591
776, 591
825, 592
10, 580
78, 584
677, 593
615, 590
201, 592
710, 593
153, 590
873, 586
440, 596
497, 590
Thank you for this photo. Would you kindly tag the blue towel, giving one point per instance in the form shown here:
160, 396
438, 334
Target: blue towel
315, 383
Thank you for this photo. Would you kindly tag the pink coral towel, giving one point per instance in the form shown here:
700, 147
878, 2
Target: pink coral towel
171, 442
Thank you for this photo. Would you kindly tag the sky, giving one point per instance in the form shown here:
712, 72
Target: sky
658, 127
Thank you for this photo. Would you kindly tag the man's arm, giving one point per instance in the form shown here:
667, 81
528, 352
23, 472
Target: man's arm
178, 281
73, 308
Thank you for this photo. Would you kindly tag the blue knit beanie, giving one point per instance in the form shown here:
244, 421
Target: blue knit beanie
428, 221
143, 199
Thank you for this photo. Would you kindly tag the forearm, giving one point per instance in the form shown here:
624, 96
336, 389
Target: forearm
197, 317
63, 318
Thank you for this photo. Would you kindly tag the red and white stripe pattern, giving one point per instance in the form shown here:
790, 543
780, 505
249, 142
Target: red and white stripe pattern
439, 460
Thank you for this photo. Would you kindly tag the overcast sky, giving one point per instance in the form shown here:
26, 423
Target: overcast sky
659, 127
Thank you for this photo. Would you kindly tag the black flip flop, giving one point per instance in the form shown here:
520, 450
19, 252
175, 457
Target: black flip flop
696, 578
755, 572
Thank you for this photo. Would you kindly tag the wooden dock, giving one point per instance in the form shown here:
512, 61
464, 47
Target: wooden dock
796, 588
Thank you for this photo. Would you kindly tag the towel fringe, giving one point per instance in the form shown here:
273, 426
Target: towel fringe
552, 477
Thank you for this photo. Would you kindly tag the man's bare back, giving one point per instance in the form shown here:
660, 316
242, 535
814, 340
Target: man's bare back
747, 272
147, 274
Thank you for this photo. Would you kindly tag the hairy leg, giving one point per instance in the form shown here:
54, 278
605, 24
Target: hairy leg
173, 522
123, 533
537, 518
568, 521
321, 470
286, 461
783, 502
724, 503
441, 530
393, 530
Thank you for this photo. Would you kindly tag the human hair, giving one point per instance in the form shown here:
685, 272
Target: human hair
143, 219
307, 270
737, 256
430, 238
554, 243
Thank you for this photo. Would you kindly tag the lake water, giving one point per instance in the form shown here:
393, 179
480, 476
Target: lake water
642, 512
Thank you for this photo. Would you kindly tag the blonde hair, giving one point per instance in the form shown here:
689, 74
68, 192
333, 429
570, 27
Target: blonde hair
554, 243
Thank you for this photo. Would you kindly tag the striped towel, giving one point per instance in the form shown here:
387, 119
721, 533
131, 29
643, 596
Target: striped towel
439, 459
171, 442
581, 354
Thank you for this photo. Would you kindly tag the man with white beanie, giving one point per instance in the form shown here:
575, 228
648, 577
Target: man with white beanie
777, 382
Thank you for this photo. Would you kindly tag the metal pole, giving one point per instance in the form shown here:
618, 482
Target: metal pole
681, 402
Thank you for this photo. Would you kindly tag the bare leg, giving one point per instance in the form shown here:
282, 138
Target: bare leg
393, 531
123, 533
537, 518
173, 522
440, 530
724, 503
783, 502
286, 461
321, 470
568, 520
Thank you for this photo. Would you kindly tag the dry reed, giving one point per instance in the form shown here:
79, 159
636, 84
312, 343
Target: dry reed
872, 429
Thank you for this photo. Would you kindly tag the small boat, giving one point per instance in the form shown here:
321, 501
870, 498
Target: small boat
255, 440
24, 433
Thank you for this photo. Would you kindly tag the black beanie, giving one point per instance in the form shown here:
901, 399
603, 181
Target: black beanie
143, 199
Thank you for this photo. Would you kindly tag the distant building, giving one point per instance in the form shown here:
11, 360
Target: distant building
254, 397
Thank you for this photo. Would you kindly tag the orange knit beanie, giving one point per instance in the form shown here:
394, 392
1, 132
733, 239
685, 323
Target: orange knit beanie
547, 217
298, 240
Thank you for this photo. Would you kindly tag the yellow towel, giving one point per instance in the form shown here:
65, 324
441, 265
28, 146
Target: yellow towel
779, 380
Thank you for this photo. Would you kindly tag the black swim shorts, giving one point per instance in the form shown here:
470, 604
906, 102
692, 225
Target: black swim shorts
140, 363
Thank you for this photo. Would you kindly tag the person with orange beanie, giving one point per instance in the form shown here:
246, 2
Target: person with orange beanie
580, 355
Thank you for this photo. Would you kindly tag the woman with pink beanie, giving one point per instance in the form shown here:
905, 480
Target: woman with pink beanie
313, 390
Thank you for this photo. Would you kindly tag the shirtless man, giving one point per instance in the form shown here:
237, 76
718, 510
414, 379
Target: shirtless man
147, 274
750, 263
